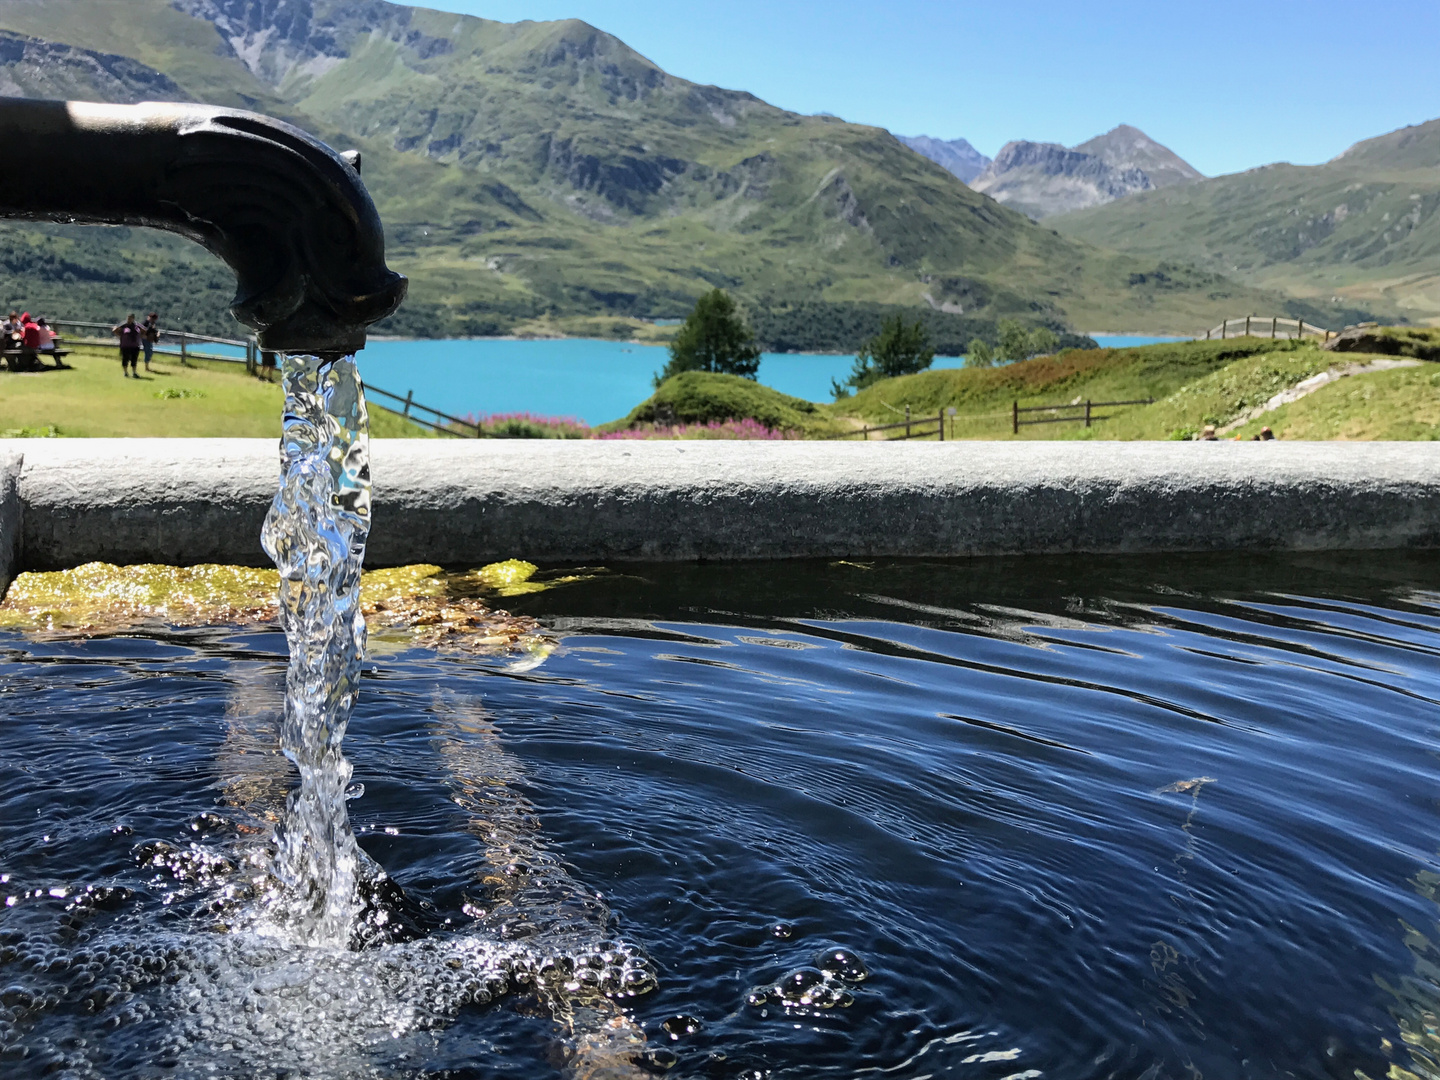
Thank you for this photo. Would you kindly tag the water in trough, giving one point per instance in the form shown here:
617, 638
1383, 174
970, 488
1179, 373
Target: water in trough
985, 818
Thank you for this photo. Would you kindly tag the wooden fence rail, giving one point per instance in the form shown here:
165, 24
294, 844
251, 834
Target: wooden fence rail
1273, 327
1087, 415
910, 426
186, 352
408, 403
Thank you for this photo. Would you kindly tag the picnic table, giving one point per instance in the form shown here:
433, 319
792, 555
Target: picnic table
23, 359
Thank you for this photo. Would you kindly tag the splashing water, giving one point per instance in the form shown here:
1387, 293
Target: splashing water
315, 533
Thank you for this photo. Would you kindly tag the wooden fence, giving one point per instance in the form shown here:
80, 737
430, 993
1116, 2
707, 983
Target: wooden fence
409, 405
185, 350
184, 343
1086, 415
1273, 327
917, 428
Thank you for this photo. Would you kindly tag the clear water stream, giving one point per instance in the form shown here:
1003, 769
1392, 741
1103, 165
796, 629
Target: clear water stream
315, 533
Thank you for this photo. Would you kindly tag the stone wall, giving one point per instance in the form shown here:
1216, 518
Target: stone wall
470, 502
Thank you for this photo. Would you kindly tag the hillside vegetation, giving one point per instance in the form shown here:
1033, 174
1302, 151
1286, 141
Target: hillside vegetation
545, 172
1361, 230
1400, 404
1191, 385
1099, 374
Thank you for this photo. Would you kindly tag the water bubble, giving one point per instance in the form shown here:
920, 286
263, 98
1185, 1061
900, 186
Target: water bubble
679, 1026
842, 964
206, 822
658, 1060
782, 930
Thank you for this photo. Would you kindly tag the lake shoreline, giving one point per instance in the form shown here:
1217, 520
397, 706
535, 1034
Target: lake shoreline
608, 341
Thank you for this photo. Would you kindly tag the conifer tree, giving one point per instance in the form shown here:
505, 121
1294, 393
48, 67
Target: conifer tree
714, 338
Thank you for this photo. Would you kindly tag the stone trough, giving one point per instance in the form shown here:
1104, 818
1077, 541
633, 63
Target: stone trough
184, 501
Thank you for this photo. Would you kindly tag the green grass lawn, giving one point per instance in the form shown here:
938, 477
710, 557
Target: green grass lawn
92, 399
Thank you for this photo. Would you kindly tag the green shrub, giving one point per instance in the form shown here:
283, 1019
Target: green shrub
700, 397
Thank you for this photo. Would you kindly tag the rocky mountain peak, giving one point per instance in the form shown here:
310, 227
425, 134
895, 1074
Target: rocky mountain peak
1040, 179
956, 155
1127, 147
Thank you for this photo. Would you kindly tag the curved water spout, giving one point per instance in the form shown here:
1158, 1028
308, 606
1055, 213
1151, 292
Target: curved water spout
288, 214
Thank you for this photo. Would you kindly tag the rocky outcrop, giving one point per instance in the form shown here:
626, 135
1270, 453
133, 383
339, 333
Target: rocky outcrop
1040, 179
281, 39
1422, 343
955, 155
33, 68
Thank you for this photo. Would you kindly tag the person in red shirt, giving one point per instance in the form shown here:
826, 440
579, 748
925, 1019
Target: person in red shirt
29, 342
130, 335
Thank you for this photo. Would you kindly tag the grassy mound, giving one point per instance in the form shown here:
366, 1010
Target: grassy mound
985, 395
1218, 398
702, 397
1403, 403
1422, 343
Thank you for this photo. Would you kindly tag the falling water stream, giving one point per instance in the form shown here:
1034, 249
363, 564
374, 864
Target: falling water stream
315, 533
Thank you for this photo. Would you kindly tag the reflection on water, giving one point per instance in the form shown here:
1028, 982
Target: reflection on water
992, 818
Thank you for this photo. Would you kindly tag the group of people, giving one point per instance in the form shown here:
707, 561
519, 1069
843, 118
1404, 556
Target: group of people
135, 337
27, 340
1208, 435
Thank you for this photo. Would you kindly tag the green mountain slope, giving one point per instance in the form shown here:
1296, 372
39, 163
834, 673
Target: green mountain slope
1363, 227
547, 171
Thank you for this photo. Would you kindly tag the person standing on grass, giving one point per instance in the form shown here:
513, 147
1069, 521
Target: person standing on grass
130, 336
149, 335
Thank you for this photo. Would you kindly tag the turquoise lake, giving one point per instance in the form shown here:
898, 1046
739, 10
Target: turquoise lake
594, 381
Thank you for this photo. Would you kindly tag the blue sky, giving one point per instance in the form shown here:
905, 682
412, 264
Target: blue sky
1300, 82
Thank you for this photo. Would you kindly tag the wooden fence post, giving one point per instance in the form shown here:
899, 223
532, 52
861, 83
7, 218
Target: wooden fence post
1087, 412
409, 397
1015, 418
1300, 330
1274, 325
1247, 325
907, 421
940, 423
184, 360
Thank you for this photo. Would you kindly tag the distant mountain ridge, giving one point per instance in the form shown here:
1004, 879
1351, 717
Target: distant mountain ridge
1041, 179
1361, 229
540, 171
956, 155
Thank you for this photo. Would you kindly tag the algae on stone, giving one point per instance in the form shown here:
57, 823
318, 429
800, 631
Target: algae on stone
404, 606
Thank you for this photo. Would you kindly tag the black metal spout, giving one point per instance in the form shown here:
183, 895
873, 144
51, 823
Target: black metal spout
289, 215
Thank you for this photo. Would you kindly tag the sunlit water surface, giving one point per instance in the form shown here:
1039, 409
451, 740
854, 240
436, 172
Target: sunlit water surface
1093, 818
